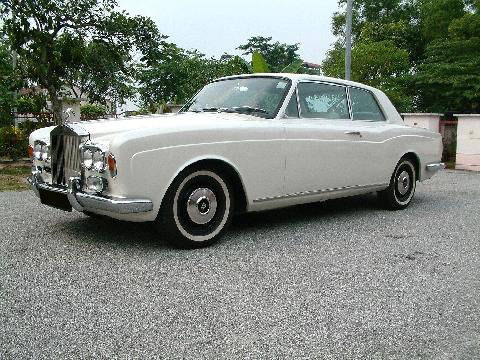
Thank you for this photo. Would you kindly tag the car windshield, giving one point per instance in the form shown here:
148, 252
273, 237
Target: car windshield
259, 96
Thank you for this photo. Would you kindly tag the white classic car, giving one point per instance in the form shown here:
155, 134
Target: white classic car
243, 143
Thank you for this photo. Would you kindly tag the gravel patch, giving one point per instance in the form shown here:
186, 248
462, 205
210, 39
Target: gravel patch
340, 279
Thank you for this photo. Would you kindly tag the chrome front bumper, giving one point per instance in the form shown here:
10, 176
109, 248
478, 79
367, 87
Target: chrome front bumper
434, 167
81, 201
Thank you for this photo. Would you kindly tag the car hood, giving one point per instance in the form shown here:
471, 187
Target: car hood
103, 130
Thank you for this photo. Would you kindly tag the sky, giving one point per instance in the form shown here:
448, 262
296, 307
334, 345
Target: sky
215, 26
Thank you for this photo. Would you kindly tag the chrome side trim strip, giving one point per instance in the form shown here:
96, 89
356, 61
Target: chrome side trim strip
435, 166
323, 191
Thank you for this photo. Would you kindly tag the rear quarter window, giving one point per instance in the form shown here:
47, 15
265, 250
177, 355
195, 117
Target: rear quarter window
365, 106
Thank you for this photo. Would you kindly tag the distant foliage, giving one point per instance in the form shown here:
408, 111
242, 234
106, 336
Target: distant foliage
276, 54
450, 76
379, 64
87, 45
423, 53
178, 74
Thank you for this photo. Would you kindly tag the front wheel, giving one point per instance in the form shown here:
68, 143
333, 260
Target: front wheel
196, 209
402, 186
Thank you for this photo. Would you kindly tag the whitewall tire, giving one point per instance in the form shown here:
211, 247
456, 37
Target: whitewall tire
197, 208
402, 186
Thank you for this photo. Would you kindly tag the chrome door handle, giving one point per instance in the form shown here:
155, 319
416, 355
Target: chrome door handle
353, 133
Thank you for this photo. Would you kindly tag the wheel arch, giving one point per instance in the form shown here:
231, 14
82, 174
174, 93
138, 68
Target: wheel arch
224, 167
411, 155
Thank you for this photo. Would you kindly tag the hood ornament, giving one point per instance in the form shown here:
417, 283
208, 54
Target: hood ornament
66, 115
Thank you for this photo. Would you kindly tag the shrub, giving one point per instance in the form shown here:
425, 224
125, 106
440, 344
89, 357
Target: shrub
13, 142
91, 111
32, 103
28, 127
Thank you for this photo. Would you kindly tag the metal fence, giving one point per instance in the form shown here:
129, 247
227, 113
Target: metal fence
43, 118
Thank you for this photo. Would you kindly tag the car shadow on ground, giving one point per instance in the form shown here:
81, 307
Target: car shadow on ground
308, 212
128, 234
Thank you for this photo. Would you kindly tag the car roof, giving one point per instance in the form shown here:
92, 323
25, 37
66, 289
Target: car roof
388, 108
300, 77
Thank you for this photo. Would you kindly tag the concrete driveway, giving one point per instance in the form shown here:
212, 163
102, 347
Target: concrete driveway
341, 279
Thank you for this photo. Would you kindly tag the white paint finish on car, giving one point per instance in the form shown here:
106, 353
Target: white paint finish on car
280, 161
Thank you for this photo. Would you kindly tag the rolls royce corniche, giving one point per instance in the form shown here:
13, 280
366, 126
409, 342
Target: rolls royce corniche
242, 144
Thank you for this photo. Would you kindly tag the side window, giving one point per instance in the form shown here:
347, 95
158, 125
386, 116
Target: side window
364, 106
292, 108
322, 101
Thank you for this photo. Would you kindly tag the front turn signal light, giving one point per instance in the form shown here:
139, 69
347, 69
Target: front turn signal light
30, 152
112, 165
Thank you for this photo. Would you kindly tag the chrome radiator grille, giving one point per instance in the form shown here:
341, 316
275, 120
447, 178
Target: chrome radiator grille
65, 153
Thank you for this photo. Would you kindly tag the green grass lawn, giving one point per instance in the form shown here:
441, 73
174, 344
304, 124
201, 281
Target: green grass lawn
13, 178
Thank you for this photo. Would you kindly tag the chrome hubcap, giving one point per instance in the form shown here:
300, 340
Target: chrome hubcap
201, 206
403, 182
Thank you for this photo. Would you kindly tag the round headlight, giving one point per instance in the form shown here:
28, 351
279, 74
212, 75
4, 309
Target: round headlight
99, 161
88, 159
37, 151
45, 152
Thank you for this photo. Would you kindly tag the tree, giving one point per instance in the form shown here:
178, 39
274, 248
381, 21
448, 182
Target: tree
31, 103
383, 47
388, 19
46, 35
103, 73
259, 64
449, 78
7, 84
177, 75
436, 16
277, 55
380, 64
422, 53
373, 11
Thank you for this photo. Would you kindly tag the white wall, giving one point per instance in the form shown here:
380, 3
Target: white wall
468, 142
426, 121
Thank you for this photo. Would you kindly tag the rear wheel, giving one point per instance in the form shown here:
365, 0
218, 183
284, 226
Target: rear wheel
402, 186
197, 209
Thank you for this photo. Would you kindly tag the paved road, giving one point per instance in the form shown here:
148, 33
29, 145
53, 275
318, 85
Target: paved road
342, 279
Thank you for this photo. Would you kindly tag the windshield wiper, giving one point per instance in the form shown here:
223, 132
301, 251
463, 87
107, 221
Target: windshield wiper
236, 109
208, 109
248, 109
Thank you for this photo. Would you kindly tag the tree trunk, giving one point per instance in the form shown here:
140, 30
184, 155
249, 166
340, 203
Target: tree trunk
56, 108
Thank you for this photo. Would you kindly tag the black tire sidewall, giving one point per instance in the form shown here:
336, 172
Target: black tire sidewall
179, 230
390, 198
404, 165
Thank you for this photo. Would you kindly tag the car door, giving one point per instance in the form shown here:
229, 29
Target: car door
322, 150
373, 135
